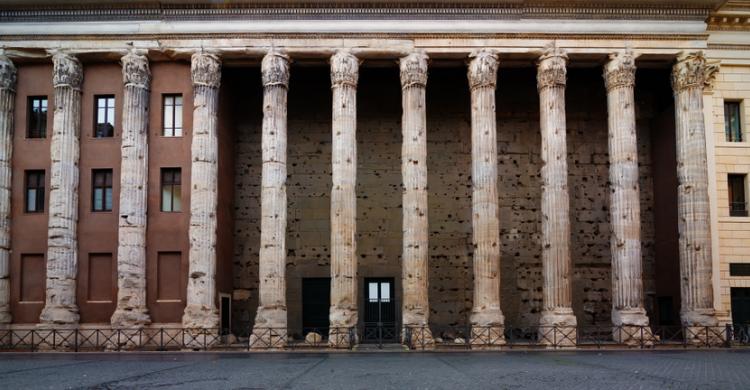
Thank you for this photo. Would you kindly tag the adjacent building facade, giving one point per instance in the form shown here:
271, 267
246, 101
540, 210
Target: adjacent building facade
276, 170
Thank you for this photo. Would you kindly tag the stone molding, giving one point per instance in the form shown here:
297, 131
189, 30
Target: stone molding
68, 71
692, 70
8, 74
413, 69
620, 70
275, 69
135, 69
344, 69
482, 70
552, 66
206, 69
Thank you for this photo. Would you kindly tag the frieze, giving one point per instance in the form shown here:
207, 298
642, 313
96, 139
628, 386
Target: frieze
413, 69
552, 67
135, 69
344, 69
275, 69
206, 69
692, 70
482, 71
620, 70
8, 75
67, 70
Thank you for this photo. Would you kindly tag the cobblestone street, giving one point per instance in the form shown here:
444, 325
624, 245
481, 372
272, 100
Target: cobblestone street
718, 369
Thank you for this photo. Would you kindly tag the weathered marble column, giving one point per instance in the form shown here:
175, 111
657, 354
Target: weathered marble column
270, 329
201, 311
557, 321
7, 110
415, 272
624, 202
689, 76
487, 319
131, 308
62, 241
343, 313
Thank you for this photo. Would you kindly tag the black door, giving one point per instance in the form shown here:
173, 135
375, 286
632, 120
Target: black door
741, 305
380, 310
316, 302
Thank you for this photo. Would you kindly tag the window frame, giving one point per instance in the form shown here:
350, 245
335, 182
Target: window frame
40, 188
42, 133
174, 128
107, 184
171, 184
113, 122
737, 209
729, 134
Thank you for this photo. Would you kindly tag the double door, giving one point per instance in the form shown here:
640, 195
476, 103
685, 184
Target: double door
380, 311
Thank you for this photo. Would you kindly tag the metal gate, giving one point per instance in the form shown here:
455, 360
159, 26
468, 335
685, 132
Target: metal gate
380, 311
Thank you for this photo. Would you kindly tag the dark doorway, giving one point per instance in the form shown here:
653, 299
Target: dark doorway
316, 302
380, 310
226, 313
741, 305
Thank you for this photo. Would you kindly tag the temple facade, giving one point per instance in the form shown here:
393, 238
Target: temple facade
277, 170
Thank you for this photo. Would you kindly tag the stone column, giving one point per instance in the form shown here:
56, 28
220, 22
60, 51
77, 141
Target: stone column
201, 311
131, 250
7, 110
271, 319
557, 321
689, 76
487, 319
628, 315
62, 241
343, 313
415, 272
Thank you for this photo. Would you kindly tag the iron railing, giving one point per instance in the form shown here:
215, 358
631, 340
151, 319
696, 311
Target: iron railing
414, 337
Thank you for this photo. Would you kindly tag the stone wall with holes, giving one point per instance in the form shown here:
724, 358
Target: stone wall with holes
449, 165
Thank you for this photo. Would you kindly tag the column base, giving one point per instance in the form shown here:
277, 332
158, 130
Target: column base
631, 327
135, 317
5, 316
557, 328
62, 315
270, 329
701, 328
200, 317
417, 336
343, 329
56, 337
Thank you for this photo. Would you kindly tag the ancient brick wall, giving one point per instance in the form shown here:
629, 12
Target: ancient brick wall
449, 162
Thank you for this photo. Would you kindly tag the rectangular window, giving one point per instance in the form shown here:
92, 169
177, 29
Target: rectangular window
37, 118
732, 121
739, 269
172, 118
104, 116
737, 203
34, 198
171, 190
101, 190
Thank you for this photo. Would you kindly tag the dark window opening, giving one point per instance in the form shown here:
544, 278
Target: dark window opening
171, 189
37, 118
737, 203
34, 199
732, 122
104, 116
101, 191
739, 269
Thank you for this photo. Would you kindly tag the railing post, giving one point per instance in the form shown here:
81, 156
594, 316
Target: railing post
75, 340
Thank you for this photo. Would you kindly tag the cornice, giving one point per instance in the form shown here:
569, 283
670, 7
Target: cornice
729, 22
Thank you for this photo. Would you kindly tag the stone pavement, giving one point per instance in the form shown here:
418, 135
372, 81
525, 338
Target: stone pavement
717, 369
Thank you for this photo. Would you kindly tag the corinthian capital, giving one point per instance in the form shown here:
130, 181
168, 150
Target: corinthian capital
7, 73
206, 69
344, 69
135, 69
482, 69
620, 70
275, 69
67, 70
692, 71
414, 69
551, 69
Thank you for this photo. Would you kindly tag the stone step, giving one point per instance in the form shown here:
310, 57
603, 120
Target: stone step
390, 347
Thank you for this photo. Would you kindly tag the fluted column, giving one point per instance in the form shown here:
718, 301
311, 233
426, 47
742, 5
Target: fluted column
415, 272
624, 200
201, 311
7, 110
487, 319
343, 313
689, 76
557, 303
131, 308
270, 327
